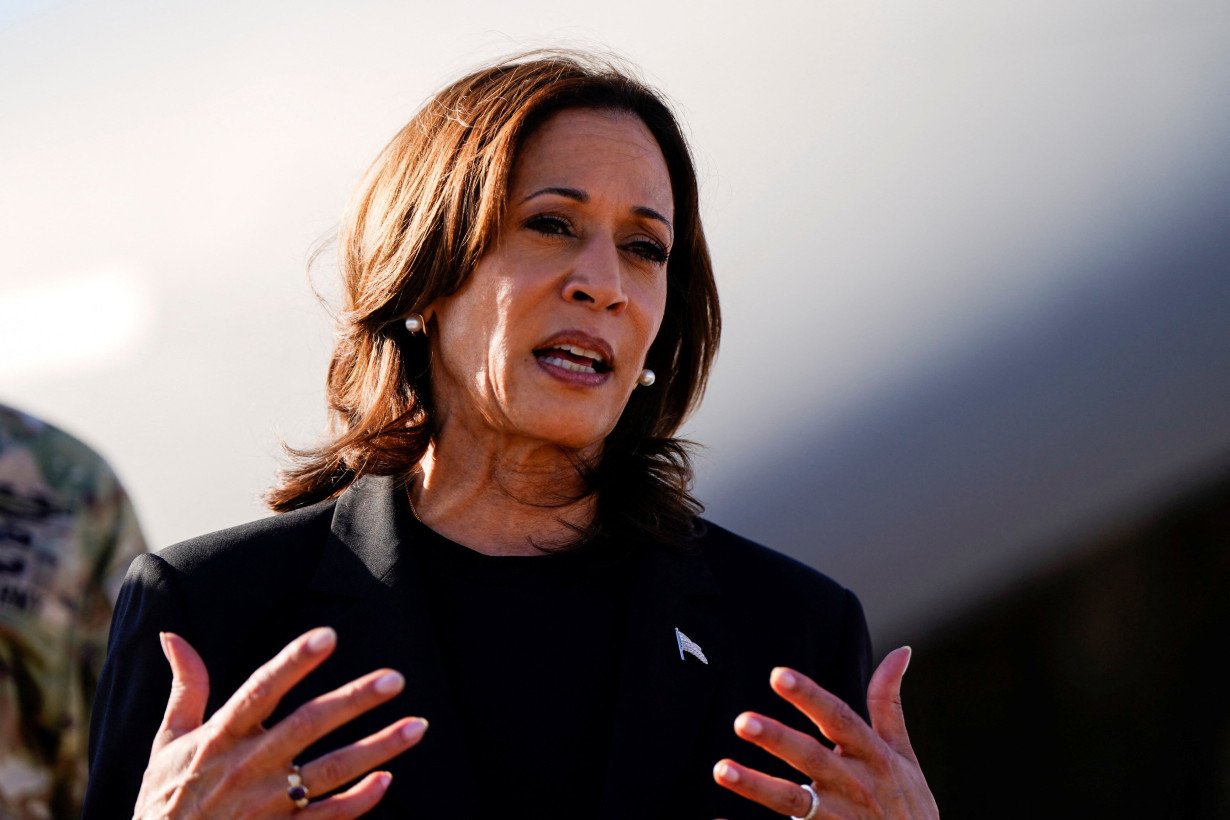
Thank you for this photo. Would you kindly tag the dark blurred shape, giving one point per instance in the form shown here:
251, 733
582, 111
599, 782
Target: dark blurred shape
985, 467
1095, 690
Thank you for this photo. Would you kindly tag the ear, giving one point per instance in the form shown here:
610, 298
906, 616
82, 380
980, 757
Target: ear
429, 315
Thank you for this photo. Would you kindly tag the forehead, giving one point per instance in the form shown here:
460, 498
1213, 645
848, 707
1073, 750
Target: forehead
611, 155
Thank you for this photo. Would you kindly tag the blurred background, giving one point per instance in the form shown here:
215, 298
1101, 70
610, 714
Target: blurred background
975, 268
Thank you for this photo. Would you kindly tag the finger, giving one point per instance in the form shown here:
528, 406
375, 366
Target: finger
832, 716
321, 715
259, 695
189, 688
801, 751
332, 770
355, 801
884, 702
781, 796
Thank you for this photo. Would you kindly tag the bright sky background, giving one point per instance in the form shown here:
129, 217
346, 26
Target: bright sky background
891, 189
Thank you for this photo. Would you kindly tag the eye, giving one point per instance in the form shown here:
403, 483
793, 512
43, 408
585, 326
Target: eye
550, 225
649, 250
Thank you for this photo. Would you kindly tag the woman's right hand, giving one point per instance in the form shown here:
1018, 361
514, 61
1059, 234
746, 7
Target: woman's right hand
232, 766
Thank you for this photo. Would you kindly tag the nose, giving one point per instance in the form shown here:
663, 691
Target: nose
596, 279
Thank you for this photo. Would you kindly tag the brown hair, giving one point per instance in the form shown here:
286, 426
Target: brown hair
424, 214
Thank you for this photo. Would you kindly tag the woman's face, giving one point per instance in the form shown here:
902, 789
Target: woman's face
547, 337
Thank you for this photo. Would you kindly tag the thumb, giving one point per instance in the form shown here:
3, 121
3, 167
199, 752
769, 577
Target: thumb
189, 687
884, 701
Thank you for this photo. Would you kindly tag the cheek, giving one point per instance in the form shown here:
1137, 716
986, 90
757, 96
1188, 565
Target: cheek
499, 360
655, 310
499, 331
463, 347
476, 329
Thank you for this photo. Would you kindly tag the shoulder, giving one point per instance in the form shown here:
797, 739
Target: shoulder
248, 554
740, 563
233, 594
21, 429
781, 612
770, 591
37, 453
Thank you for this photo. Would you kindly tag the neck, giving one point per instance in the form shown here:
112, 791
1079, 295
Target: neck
505, 500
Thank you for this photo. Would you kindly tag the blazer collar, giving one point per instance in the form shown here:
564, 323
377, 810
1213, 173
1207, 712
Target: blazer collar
369, 521
383, 619
663, 700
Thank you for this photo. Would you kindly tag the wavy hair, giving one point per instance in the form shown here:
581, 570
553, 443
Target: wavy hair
424, 214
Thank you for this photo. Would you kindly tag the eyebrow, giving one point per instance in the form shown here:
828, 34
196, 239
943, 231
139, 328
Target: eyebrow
577, 195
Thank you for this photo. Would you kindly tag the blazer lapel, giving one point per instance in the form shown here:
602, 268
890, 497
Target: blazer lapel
665, 695
378, 606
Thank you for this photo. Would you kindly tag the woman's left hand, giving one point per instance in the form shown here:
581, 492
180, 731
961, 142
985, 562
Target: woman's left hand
872, 772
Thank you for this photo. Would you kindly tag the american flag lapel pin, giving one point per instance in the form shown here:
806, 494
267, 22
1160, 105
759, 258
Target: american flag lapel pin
690, 646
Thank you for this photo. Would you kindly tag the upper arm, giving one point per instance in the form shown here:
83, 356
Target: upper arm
133, 687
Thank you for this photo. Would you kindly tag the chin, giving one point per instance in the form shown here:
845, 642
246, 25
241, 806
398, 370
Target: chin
575, 434
580, 442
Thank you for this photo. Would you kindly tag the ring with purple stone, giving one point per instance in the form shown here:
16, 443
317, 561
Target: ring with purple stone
296, 791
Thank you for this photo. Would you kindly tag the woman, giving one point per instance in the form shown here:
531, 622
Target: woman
499, 536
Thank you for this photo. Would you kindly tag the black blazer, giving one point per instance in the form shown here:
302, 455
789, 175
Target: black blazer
240, 594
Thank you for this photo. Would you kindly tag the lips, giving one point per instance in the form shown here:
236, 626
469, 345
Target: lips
576, 356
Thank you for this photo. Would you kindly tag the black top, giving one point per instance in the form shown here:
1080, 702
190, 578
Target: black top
530, 646
354, 563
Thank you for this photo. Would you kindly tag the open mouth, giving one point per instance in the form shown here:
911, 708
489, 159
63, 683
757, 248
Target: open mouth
574, 358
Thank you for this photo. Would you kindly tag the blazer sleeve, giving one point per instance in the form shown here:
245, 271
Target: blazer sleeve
854, 670
133, 689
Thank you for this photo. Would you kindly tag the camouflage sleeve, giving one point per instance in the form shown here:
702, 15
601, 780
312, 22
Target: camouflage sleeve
127, 543
119, 541
67, 531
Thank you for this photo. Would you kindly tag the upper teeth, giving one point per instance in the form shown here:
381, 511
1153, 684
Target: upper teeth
581, 351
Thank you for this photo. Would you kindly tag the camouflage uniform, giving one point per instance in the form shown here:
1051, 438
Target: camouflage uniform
67, 533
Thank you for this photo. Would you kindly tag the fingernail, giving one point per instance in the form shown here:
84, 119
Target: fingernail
749, 725
389, 682
413, 730
322, 639
726, 772
166, 650
909, 653
786, 679
384, 779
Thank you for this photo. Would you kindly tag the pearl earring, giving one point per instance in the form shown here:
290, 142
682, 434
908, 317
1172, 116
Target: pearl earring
647, 378
415, 324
